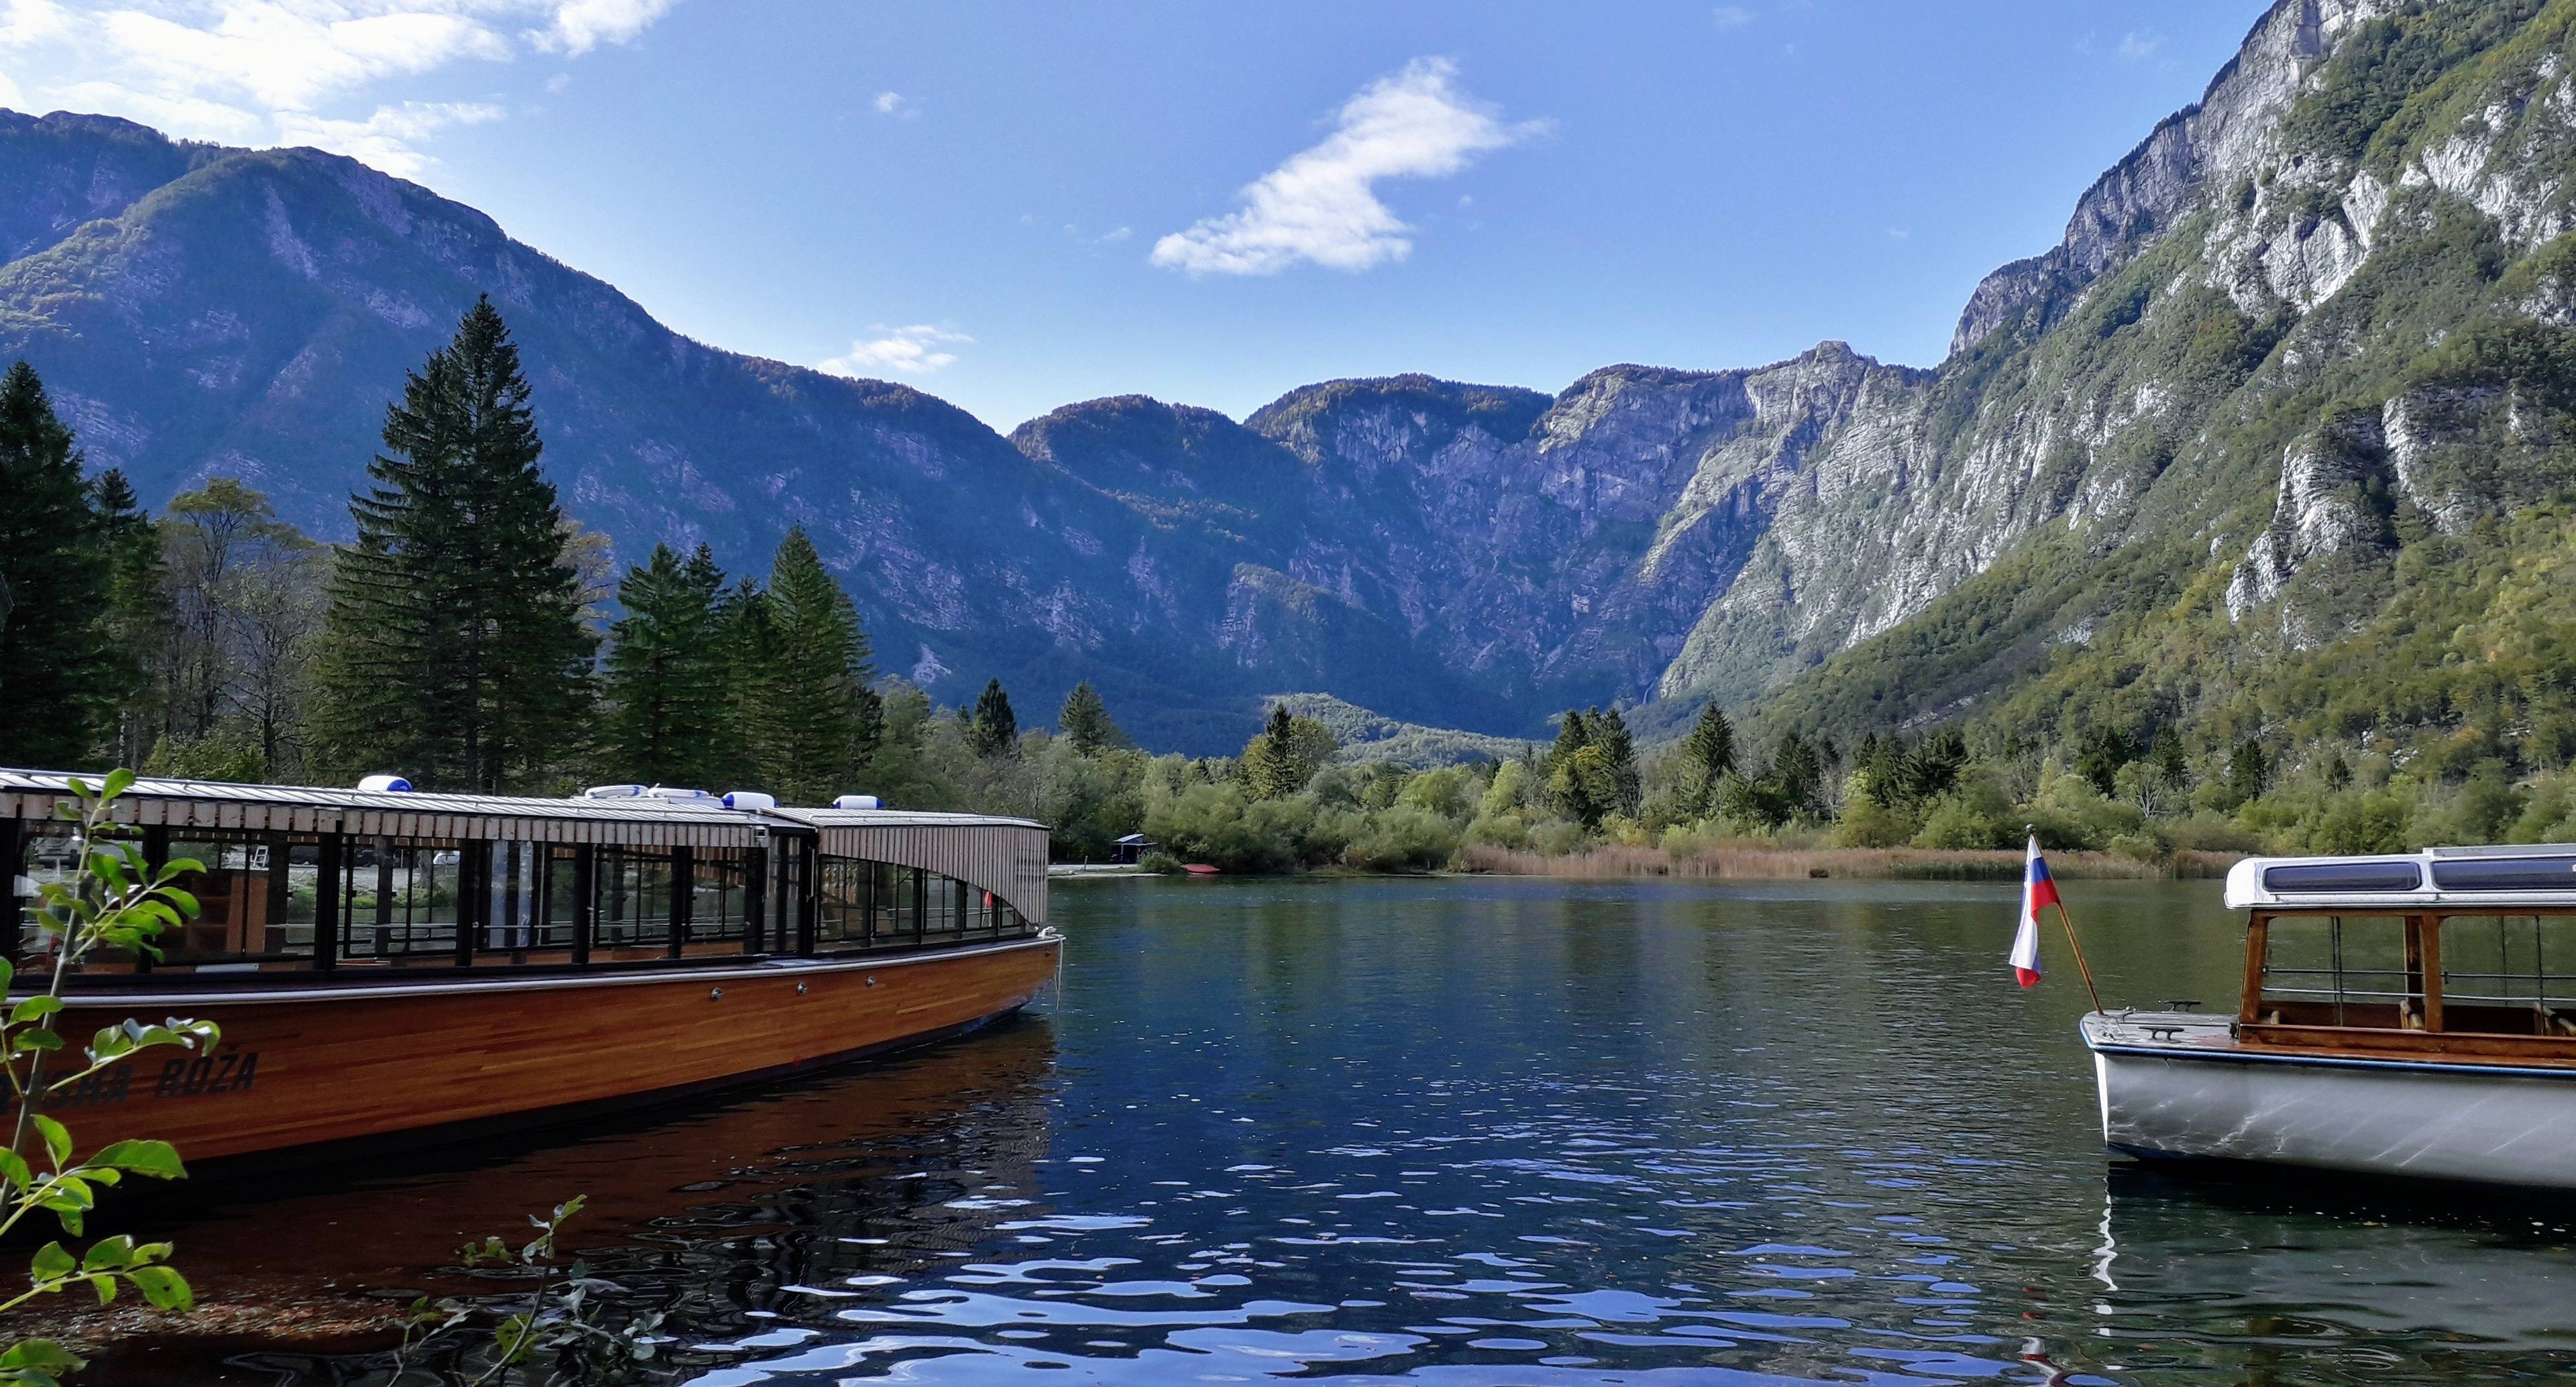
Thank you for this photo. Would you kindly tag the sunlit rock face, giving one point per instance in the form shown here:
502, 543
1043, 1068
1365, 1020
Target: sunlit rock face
2227, 376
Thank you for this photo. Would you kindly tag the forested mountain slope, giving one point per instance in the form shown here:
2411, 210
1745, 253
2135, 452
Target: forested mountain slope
2306, 447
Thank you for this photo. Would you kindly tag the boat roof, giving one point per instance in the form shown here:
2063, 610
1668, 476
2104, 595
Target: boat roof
630, 818
2485, 879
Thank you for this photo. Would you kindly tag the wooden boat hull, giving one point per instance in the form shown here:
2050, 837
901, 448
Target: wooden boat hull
2178, 1086
309, 1067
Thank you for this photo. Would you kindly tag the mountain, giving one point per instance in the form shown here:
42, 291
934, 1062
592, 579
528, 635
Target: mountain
2302, 352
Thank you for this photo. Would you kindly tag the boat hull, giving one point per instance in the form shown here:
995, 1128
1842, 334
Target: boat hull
314, 1068
2183, 1089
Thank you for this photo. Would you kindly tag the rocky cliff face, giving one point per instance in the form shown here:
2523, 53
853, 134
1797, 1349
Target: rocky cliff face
2319, 312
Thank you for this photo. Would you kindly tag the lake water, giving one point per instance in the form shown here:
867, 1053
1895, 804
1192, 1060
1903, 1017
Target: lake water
1457, 1132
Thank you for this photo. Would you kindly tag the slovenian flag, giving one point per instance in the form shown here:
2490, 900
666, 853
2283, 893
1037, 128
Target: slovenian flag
2037, 891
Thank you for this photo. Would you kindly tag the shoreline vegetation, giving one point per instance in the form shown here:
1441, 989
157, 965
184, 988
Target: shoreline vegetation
1758, 861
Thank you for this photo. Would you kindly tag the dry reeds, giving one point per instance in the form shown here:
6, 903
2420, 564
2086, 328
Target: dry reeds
1757, 861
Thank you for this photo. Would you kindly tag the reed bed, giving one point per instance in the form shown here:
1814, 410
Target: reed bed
1770, 862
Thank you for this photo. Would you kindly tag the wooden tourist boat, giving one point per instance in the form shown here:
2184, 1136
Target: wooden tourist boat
2400, 1016
386, 964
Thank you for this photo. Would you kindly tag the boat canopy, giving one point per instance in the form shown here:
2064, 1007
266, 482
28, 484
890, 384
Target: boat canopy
1005, 856
2473, 879
160, 802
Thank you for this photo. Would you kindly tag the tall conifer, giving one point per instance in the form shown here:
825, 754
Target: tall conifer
1708, 753
138, 613
458, 652
994, 729
1086, 723
815, 719
667, 701
61, 679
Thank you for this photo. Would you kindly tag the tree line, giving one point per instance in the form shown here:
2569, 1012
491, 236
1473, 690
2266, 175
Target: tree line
456, 640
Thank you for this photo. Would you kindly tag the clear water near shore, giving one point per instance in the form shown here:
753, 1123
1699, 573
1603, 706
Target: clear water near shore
1462, 1132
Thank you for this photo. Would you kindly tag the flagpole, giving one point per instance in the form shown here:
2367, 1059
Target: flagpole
2080, 965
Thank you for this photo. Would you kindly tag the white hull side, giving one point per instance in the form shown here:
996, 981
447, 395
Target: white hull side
2454, 1122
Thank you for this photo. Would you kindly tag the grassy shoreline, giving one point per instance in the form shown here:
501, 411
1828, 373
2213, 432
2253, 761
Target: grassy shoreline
1767, 862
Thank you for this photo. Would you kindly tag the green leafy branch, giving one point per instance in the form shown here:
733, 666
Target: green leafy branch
118, 901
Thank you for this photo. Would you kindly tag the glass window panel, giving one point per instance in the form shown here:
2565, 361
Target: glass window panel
719, 893
2509, 974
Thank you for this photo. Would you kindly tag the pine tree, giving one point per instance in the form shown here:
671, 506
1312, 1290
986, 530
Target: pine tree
138, 614
994, 729
668, 707
458, 652
818, 720
1610, 733
1708, 753
750, 646
1086, 723
61, 678
1268, 767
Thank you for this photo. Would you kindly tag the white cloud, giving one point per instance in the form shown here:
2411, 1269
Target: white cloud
23, 22
897, 351
2137, 44
581, 25
385, 139
895, 104
1731, 16
1322, 205
288, 71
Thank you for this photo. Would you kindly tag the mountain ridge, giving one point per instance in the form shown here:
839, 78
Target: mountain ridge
1443, 552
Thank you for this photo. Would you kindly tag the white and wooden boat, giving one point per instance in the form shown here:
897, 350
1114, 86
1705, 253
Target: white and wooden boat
388, 964
2404, 1015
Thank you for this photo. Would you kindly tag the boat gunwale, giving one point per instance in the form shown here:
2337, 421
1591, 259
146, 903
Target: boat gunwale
2236, 1051
430, 985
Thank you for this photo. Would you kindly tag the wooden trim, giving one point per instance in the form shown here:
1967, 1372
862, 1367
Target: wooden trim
2258, 936
2377, 1040
2432, 945
497, 980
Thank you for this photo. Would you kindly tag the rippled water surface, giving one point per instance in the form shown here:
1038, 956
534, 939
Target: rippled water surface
1456, 1132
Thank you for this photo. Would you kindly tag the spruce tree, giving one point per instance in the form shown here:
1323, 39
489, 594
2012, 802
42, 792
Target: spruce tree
1708, 753
1268, 767
458, 652
817, 719
994, 729
61, 677
1086, 723
138, 615
667, 701
1619, 751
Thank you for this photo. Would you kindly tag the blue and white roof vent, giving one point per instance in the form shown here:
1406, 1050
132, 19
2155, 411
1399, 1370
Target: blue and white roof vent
385, 785
858, 802
752, 800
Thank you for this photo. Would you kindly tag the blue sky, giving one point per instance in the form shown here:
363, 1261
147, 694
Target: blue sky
1018, 206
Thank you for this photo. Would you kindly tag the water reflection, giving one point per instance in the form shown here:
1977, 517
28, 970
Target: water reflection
1494, 1132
